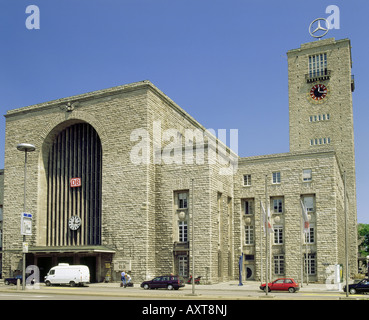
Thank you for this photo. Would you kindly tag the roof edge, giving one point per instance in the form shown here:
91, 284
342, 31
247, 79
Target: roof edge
83, 97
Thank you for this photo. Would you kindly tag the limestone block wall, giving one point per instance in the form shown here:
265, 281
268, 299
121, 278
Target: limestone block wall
323, 187
338, 105
124, 185
213, 252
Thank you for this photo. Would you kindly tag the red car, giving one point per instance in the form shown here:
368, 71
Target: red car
282, 284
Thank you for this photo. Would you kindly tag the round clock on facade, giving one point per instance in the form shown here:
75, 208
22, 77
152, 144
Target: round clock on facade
318, 92
74, 222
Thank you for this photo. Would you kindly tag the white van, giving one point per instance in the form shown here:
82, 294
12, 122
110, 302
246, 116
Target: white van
63, 273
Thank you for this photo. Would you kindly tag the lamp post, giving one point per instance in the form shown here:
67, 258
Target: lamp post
25, 147
193, 241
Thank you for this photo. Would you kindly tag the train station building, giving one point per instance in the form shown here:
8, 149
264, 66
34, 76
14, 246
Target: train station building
124, 178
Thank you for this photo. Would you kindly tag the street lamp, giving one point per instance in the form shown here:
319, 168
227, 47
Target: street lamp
193, 241
25, 147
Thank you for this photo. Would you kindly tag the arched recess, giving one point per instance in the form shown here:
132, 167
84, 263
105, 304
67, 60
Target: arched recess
71, 150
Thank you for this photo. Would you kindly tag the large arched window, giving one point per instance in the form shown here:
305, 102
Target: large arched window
73, 208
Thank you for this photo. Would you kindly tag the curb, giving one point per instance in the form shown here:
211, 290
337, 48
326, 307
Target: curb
249, 291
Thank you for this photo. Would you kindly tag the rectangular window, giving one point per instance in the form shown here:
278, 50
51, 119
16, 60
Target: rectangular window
183, 266
310, 236
249, 206
309, 203
276, 177
278, 205
182, 231
249, 234
320, 117
247, 180
319, 141
278, 234
306, 175
278, 264
318, 65
182, 200
311, 263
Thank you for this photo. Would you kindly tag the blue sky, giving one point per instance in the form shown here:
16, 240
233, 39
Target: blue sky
223, 61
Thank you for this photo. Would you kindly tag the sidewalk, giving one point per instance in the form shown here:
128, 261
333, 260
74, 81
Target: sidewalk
221, 291
231, 286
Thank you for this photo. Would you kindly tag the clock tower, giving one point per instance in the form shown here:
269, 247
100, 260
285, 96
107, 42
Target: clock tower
320, 112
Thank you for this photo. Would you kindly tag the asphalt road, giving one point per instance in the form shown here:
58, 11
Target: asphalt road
225, 291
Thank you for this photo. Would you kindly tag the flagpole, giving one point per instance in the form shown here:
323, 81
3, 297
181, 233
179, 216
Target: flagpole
307, 256
267, 237
306, 229
261, 243
346, 233
307, 264
301, 255
193, 242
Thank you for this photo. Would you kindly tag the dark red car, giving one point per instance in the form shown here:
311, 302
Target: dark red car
282, 284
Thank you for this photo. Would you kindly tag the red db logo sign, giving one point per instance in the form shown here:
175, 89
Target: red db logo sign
75, 182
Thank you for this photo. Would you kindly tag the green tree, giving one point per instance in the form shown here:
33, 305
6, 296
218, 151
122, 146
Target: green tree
363, 239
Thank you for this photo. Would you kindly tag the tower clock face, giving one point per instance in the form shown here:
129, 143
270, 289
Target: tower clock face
318, 92
74, 222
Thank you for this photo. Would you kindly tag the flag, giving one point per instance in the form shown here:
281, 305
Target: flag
265, 218
305, 218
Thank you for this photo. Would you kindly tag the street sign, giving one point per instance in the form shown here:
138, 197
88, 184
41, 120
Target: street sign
25, 247
26, 224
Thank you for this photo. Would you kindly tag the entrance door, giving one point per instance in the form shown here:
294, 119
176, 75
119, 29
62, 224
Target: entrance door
183, 266
44, 264
69, 260
90, 262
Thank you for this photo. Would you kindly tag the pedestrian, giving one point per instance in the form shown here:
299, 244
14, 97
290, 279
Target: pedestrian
123, 278
128, 279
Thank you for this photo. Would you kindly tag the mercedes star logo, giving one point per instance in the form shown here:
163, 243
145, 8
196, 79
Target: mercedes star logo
316, 30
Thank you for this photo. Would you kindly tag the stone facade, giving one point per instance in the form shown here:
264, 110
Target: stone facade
326, 190
161, 172
137, 215
330, 118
